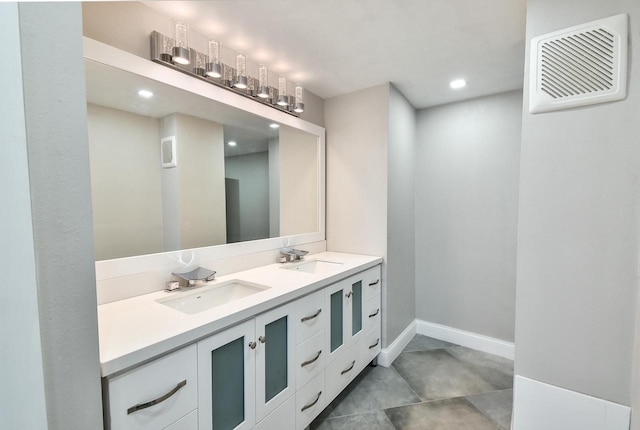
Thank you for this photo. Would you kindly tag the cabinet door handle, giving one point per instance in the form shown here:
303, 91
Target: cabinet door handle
371, 284
313, 360
353, 363
375, 344
252, 345
349, 294
312, 404
154, 402
375, 313
310, 317
262, 339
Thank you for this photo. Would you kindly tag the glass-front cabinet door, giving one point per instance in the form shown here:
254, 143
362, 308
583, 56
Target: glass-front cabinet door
346, 314
339, 315
226, 379
356, 304
275, 364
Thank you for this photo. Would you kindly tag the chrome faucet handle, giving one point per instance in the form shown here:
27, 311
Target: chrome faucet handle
292, 254
192, 275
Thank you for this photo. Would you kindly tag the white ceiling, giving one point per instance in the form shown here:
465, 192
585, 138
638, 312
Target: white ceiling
338, 46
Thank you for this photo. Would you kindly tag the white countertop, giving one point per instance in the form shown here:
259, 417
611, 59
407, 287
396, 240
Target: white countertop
135, 330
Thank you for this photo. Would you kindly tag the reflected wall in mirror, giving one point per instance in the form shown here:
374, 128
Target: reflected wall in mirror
212, 193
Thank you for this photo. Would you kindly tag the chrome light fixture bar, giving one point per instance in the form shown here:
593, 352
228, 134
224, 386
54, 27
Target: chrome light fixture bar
211, 69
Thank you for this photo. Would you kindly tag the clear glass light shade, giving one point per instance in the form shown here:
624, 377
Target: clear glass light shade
200, 65
214, 51
181, 50
283, 99
263, 82
298, 105
214, 69
241, 71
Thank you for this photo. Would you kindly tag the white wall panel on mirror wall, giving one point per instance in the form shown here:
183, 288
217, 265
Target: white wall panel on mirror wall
215, 200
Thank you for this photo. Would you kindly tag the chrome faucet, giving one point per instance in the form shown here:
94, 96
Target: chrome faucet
288, 255
195, 275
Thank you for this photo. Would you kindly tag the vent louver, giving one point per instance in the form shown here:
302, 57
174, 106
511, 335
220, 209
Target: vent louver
578, 66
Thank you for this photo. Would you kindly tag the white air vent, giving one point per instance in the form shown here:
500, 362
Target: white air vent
579, 66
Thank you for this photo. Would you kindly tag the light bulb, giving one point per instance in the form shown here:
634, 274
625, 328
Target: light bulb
241, 72
458, 83
298, 105
214, 68
181, 50
283, 98
200, 66
263, 82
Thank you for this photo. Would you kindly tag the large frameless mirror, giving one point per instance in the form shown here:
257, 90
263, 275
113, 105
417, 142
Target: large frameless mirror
174, 170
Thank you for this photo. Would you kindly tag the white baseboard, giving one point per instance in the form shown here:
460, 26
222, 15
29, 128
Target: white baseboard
542, 406
390, 353
465, 338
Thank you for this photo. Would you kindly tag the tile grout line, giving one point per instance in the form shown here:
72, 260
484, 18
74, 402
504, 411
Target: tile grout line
406, 382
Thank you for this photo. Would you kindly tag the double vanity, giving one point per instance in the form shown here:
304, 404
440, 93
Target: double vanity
266, 348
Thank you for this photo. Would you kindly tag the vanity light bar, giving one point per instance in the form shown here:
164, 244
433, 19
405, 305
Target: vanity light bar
226, 76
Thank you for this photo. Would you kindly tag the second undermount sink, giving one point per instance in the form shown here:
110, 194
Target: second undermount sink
315, 266
204, 298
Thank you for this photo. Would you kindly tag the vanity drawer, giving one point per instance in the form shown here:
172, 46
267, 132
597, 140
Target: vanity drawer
371, 345
372, 313
190, 422
310, 401
170, 380
343, 369
372, 283
310, 315
283, 417
311, 358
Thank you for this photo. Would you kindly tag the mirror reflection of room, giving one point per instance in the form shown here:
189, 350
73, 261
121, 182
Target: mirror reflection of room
206, 177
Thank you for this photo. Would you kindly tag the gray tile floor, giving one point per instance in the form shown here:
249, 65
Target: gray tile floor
432, 385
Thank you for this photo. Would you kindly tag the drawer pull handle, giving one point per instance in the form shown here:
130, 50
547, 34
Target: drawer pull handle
349, 294
252, 345
375, 344
313, 360
353, 363
262, 339
371, 284
312, 404
161, 399
375, 313
310, 317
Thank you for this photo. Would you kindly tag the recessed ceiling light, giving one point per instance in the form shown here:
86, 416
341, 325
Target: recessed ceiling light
274, 125
231, 143
457, 84
145, 93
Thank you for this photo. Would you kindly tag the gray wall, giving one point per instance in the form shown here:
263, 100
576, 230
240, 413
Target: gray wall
466, 214
370, 191
400, 304
357, 147
127, 26
21, 377
58, 152
578, 227
125, 171
252, 172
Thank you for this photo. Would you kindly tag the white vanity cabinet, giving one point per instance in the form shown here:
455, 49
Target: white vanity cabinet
275, 371
275, 363
354, 319
226, 379
348, 303
247, 371
161, 394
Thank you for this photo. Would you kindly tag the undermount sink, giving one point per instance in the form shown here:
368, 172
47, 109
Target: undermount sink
315, 266
205, 298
